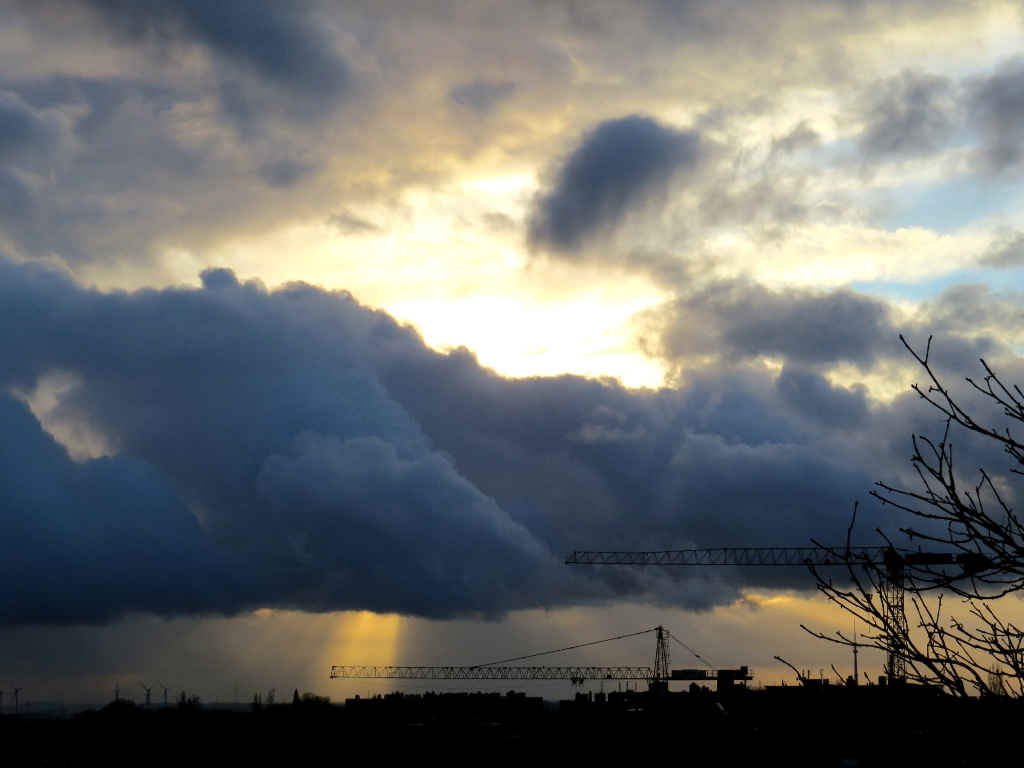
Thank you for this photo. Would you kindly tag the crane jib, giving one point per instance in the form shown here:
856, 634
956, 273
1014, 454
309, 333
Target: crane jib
730, 556
574, 673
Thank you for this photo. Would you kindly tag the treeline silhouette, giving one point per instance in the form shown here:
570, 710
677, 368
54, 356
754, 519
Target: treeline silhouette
797, 725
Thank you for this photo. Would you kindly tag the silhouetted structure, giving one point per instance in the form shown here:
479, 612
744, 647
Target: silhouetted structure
657, 676
893, 562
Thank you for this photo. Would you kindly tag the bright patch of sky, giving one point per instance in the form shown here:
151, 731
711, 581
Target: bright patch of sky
948, 206
917, 291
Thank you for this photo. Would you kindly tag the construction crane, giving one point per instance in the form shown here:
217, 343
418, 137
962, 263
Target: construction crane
895, 562
657, 676
577, 674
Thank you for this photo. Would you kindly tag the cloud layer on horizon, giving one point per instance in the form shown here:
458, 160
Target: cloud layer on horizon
294, 449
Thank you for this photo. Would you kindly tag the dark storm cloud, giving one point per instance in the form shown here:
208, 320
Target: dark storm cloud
908, 115
589, 465
333, 461
312, 485
621, 164
995, 105
481, 95
87, 541
280, 42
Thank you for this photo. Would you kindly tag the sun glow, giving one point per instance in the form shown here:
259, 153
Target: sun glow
518, 338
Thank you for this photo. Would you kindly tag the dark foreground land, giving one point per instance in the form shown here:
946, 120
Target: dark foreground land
794, 726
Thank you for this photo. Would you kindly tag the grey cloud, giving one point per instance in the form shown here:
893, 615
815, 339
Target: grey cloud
619, 165
498, 222
29, 147
481, 95
774, 200
906, 116
801, 137
116, 143
995, 105
739, 319
279, 42
974, 321
285, 173
101, 98
16, 200
241, 108
22, 129
1005, 252
732, 322
811, 394
118, 176
350, 224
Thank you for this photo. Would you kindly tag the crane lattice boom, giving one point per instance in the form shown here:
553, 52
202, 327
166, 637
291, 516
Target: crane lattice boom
494, 673
725, 556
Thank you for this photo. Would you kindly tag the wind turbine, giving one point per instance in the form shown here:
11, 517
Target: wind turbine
16, 692
148, 691
165, 692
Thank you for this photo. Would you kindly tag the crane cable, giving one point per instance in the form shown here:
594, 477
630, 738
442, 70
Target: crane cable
705, 661
569, 648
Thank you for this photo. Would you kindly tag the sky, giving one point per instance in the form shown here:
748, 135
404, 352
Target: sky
328, 329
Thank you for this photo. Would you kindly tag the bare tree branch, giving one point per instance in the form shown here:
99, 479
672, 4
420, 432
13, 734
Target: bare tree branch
975, 556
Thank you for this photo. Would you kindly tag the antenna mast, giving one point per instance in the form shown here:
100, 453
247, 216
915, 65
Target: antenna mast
856, 676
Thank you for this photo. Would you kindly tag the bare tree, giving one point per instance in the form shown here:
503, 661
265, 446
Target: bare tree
961, 544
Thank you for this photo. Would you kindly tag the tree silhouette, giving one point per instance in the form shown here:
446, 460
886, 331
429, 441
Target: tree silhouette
974, 649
